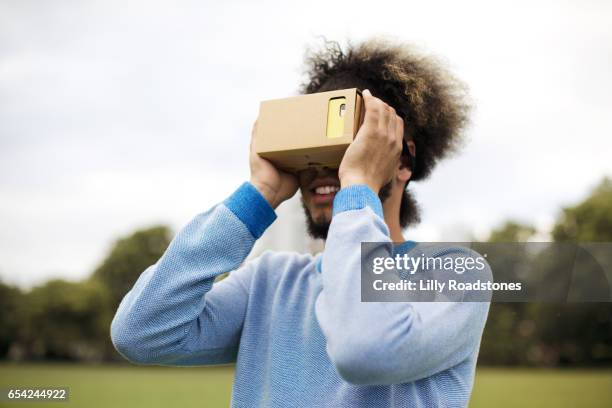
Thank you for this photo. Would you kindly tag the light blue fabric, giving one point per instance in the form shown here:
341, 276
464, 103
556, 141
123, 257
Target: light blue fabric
300, 337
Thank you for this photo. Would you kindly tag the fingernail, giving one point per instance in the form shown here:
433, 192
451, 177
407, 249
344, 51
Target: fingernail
367, 92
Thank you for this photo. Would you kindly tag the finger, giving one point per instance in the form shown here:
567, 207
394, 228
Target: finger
372, 109
253, 134
392, 124
399, 132
384, 120
384, 117
399, 128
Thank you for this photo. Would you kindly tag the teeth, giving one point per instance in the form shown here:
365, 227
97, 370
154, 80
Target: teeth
326, 189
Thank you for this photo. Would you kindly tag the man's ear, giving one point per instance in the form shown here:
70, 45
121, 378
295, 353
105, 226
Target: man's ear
404, 171
411, 147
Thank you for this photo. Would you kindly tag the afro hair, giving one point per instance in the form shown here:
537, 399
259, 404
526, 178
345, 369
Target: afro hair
432, 102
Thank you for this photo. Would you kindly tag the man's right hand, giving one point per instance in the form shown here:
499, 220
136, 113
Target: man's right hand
275, 185
373, 157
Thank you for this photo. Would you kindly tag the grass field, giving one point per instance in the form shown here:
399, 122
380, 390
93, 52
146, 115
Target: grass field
134, 387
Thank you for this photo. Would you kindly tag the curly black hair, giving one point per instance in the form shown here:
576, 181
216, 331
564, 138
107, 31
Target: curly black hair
433, 103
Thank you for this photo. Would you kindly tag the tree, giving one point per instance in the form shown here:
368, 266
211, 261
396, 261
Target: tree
555, 334
582, 333
71, 320
11, 317
512, 231
590, 220
507, 336
67, 320
128, 258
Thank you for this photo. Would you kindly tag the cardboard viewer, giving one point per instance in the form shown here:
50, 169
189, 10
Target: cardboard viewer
311, 130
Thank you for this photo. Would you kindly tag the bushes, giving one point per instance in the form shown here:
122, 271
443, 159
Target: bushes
71, 320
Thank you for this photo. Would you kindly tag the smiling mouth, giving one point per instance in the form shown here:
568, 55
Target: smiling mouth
325, 189
324, 193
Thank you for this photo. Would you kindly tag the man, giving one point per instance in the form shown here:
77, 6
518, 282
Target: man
294, 324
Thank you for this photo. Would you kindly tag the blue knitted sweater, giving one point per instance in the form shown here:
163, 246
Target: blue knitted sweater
294, 324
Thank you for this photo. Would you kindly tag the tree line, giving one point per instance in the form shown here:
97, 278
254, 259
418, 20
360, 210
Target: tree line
63, 320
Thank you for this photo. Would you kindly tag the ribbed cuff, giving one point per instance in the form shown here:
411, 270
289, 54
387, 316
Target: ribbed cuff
251, 208
355, 198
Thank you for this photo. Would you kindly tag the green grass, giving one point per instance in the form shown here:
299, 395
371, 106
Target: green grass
501, 388
125, 386
150, 387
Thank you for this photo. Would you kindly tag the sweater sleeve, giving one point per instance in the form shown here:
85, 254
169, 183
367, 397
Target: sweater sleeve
174, 314
384, 342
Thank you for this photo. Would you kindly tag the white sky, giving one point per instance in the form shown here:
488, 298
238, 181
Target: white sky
115, 116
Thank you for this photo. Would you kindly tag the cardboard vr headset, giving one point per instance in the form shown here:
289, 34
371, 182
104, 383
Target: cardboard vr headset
311, 130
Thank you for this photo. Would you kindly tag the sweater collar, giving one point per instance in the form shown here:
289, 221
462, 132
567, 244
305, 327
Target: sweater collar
399, 248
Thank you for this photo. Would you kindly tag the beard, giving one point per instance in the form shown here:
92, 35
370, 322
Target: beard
318, 228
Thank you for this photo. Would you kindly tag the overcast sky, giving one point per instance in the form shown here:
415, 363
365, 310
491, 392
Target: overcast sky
119, 115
